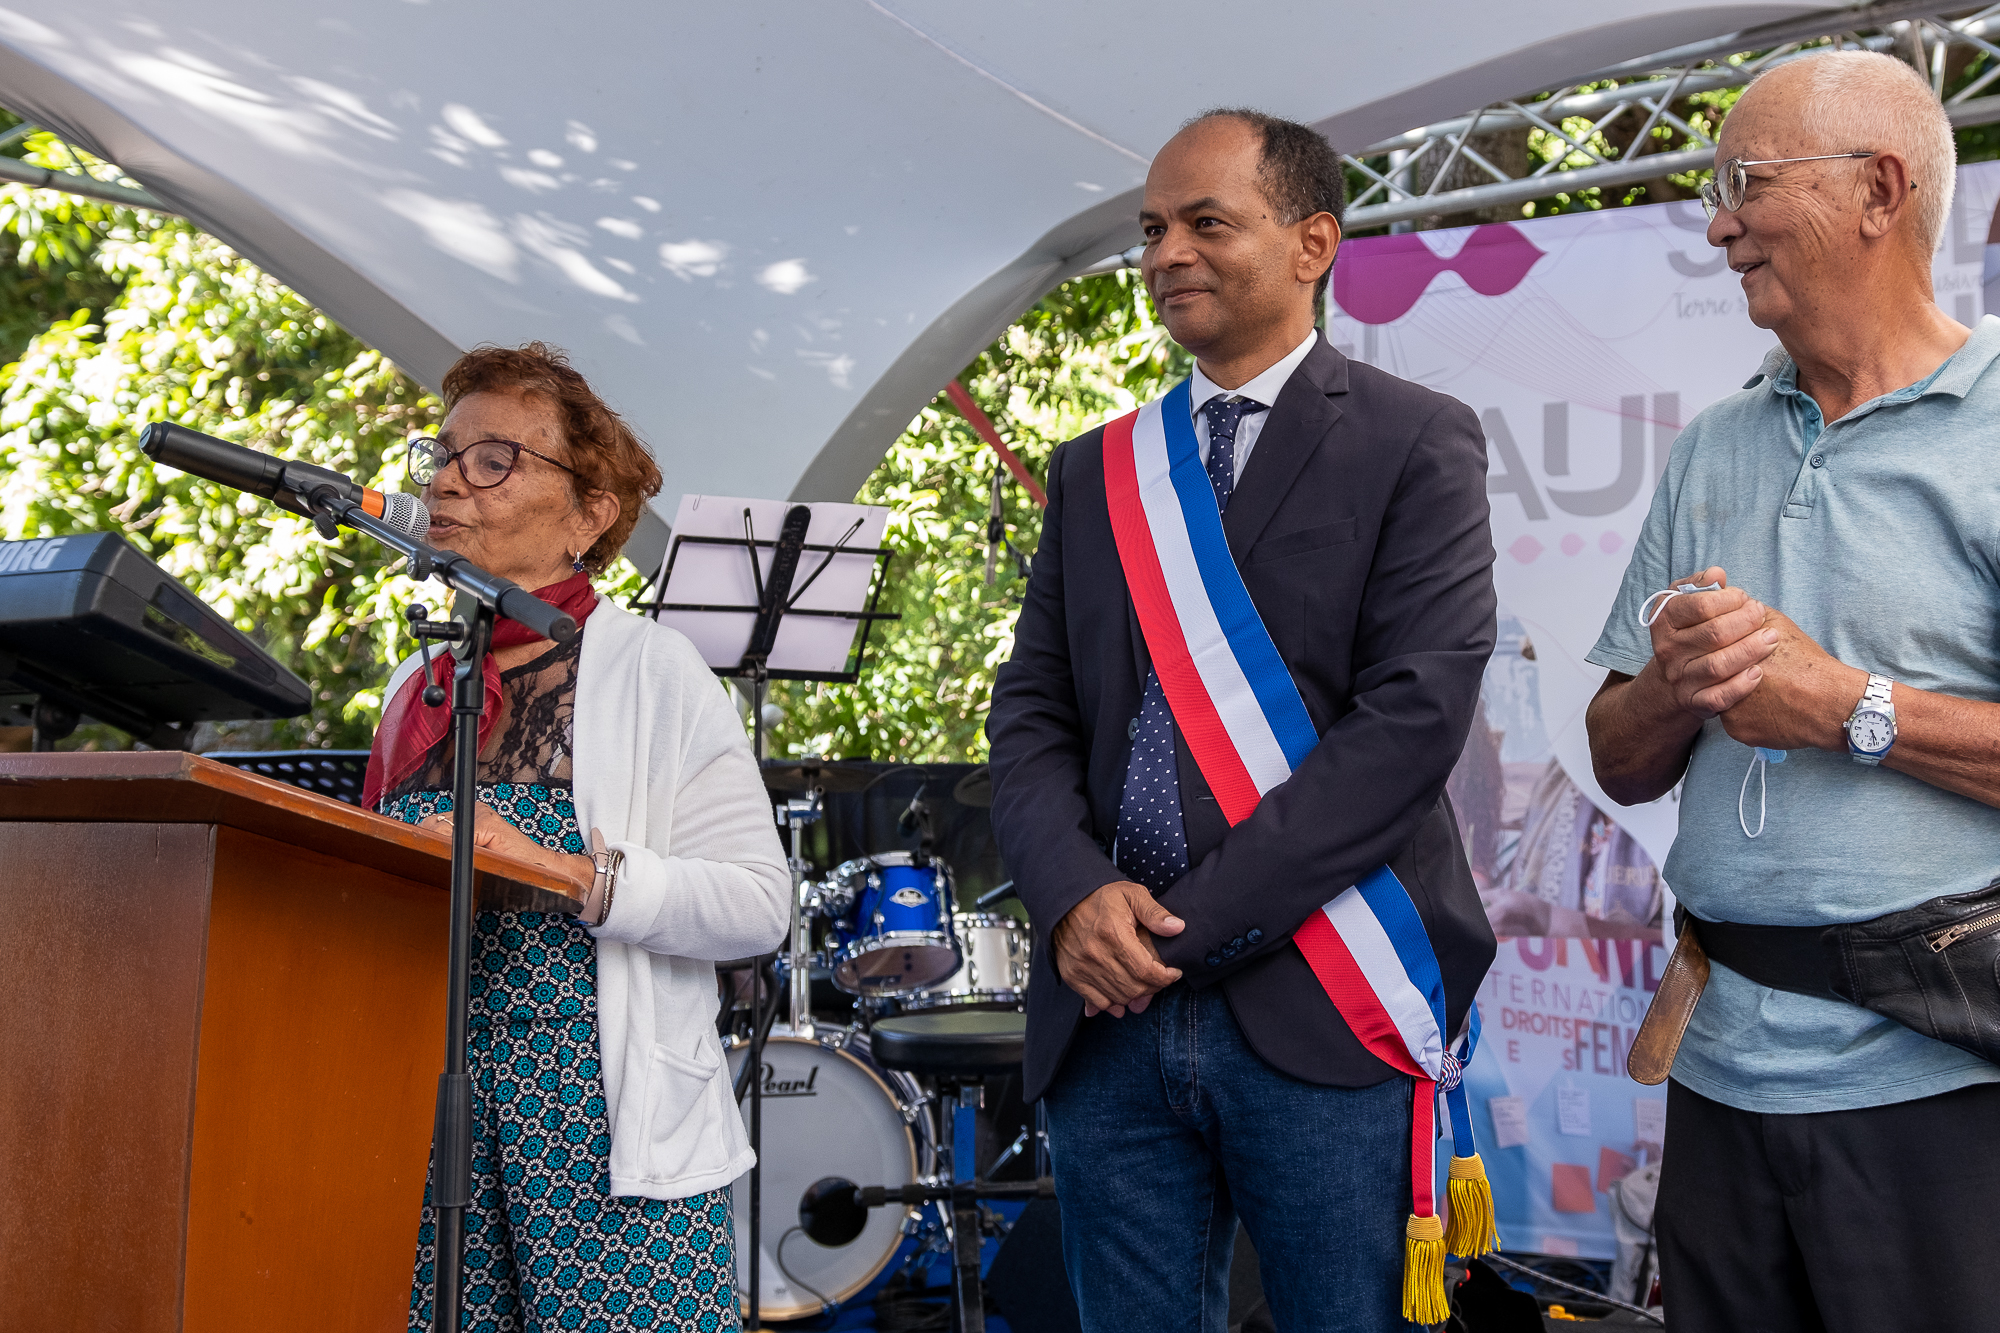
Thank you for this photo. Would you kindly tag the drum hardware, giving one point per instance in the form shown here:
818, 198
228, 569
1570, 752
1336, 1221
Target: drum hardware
960, 1049
1013, 1151
814, 775
975, 788
970, 1224
796, 813
995, 895
878, 1196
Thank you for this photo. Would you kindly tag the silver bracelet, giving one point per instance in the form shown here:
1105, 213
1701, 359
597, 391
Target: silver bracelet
605, 882
594, 894
614, 862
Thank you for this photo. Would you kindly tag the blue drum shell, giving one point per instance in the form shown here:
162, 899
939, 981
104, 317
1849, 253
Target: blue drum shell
906, 897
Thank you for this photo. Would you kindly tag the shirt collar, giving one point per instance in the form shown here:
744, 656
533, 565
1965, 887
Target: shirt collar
1265, 387
1956, 376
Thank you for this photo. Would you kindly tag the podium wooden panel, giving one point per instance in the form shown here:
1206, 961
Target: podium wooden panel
221, 1027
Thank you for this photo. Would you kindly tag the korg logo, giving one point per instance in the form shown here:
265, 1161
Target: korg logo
37, 554
779, 1087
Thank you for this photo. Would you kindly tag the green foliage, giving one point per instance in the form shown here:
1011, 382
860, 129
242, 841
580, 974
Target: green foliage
45, 243
144, 318
199, 336
1089, 350
195, 334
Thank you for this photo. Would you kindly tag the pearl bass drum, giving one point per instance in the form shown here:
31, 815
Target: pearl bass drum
830, 1116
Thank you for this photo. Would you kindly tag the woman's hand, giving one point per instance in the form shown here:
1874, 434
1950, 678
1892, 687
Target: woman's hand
491, 830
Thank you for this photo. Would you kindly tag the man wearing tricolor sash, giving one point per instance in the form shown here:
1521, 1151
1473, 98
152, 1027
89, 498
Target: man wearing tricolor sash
1249, 656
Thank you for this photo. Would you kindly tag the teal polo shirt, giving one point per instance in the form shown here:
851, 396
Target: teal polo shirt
1880, 536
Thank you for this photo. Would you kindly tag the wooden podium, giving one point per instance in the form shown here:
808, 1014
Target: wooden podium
221, 1030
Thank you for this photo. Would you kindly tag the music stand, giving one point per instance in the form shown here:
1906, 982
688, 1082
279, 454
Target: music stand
752, 618
749, 614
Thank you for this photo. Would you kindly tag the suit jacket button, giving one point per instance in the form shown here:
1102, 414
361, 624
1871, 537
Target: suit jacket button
1213, 960
1236, 943
1132, 730
1254, 936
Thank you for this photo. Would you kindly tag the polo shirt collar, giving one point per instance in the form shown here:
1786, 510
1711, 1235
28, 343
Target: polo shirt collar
1960, 371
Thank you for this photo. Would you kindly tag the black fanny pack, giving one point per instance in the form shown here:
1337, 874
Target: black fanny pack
1934, 968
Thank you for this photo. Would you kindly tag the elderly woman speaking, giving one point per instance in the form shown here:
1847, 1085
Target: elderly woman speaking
606, 1134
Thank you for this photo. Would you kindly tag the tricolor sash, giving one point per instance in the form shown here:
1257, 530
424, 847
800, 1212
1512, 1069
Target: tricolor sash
1240, 712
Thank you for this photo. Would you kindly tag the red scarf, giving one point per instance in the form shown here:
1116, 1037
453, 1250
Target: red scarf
410, 728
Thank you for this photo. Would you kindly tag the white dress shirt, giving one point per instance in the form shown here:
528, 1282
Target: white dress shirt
1263, 389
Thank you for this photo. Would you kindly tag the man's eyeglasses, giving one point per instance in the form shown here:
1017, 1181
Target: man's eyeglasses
484, 463
1731, 180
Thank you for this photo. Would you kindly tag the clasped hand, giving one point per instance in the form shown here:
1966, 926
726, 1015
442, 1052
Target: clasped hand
1726, 654
1105, 952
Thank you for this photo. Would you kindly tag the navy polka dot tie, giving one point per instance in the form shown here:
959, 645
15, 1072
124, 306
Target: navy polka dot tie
1152, 840
1152, 843
1224, 416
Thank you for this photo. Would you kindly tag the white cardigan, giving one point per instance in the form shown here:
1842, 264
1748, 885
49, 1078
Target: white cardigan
663, 769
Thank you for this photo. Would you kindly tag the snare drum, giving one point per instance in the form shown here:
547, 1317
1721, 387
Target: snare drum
997, 950
899, 938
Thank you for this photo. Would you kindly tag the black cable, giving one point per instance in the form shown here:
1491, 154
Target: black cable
825, 1305
1570, 1286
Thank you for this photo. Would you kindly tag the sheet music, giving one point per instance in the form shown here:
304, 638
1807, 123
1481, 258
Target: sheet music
720, 576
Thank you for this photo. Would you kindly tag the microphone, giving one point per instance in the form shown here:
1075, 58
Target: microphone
289, 485
294, 486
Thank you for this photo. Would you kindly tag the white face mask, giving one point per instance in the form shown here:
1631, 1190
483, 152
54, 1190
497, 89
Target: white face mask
1758, 765
1650, 610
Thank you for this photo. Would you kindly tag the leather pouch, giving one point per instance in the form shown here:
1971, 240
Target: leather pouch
1934, 968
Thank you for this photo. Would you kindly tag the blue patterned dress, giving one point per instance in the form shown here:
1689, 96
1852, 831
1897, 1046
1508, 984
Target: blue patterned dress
546, 1247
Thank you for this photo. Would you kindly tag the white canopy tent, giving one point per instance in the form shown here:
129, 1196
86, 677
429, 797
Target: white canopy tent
769, 233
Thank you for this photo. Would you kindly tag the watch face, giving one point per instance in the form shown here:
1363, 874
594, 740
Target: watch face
1871, 731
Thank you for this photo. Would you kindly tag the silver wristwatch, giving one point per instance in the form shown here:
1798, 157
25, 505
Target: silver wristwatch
1871, 728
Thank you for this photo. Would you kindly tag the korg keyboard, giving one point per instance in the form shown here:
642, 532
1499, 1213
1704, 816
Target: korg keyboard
92, 627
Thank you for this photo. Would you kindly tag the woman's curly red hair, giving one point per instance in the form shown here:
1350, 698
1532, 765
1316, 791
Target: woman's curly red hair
604, 451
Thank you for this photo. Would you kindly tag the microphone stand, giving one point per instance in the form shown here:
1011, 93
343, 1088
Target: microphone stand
483, 598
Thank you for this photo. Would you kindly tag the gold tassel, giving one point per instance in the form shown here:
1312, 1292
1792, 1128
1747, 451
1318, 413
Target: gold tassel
1471, 1231
1423, 1271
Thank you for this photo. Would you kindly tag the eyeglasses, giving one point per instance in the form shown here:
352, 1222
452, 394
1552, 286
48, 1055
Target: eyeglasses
484, 463
1731, 180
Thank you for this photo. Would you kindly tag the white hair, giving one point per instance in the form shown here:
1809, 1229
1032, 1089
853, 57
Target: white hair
1856, 101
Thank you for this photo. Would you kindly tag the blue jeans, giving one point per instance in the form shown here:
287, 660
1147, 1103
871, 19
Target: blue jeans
1164, 1126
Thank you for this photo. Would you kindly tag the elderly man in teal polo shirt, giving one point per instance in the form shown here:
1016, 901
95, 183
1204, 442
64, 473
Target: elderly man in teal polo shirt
1832, 712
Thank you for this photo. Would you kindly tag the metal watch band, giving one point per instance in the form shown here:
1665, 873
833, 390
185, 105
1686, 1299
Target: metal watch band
1878, 692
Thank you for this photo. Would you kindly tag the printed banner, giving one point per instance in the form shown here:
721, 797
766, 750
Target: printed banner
1584, 342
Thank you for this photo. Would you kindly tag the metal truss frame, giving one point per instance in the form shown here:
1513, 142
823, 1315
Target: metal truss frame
1404, 187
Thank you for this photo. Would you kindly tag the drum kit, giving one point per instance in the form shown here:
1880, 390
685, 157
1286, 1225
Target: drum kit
872, 1132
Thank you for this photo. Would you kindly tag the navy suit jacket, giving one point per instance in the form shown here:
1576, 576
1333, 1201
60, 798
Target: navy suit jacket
1360, 527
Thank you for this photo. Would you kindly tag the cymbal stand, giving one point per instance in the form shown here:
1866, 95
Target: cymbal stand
796, 813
